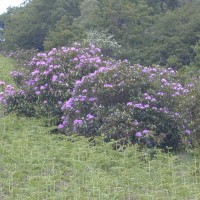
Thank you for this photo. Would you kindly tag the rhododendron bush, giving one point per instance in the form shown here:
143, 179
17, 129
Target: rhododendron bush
92, 96
132, 102
190, 107
48, 80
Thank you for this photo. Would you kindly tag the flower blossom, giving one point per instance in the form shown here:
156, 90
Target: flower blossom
78, 122
138, 134
90, 116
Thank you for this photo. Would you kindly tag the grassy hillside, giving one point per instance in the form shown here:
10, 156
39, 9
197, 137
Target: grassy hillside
36, 164
6, 65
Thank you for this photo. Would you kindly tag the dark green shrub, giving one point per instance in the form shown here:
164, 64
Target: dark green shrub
132, 102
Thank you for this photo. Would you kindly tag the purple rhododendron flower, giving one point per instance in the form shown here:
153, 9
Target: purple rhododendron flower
68, 104
190, 85
78, 122
84, 91
60, 126
35, 72
139, 105
138, 134
2, 83
135, 123
176, 94
42, 87
148, 97
129, 104
90, 116
92, 99
176, 114
36, 79
145, 131
38, 92
185, 91
188, 132
54, 78
82, 98
160, 93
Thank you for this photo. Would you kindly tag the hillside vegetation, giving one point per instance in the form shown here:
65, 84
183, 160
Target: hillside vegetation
163, 32
99, 99
36, 164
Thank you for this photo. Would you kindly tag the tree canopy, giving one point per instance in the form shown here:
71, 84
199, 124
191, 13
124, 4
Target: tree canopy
164, 32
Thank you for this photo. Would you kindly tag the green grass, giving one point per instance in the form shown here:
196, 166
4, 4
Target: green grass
6, 65
38, 165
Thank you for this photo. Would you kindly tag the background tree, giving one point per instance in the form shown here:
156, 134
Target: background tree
28, 27
197, 54
87, 18
162, 32
173, 36
64, 34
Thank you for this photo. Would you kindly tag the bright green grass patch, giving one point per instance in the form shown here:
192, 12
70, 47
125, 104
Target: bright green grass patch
6, 65
35, 164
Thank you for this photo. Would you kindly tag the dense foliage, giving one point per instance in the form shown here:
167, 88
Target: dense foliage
92, 95
49, 79
131, 102
91, 91
28, 26
164, 32
190, 105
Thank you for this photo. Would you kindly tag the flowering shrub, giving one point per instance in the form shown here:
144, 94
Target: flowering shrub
5, 90
132, 102
49, 79
190, 107
95, 96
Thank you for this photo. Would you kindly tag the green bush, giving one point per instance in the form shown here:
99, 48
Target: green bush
135, 103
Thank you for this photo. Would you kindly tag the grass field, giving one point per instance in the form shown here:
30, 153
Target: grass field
36, 164
6, 65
